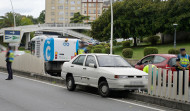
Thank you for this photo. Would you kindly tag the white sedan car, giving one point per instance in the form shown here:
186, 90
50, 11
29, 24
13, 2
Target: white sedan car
103, 71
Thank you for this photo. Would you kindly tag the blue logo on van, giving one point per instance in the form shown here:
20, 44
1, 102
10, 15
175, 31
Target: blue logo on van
49, 49
66, 44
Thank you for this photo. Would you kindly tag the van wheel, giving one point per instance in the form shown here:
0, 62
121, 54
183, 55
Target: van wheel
70, 83
103, 89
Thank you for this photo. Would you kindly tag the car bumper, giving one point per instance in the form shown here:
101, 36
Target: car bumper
128, 84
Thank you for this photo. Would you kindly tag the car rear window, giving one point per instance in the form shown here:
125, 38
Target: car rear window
172, 62
158, 59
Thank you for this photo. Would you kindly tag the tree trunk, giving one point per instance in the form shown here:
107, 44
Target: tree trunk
135, 41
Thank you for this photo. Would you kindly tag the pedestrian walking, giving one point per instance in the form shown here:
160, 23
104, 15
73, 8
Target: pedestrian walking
182, 63
9, 60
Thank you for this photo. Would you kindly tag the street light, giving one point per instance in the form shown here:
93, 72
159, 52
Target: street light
13, 13
175, 28
111, 41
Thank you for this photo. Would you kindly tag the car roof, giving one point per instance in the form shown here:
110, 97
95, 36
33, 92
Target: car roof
164, 55
98, 54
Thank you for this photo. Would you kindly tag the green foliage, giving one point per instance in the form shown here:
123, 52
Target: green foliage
102, 43
127, 53
153, 39
126, 44
107, 45
41, 18
107, 50
78, 18
173, 51
145, 39
134, 18
114, 42
150, 50
119, 43
99, 46
97, 50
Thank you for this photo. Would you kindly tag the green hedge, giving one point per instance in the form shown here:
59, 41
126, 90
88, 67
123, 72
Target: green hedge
126, 44
119, 43
102, 43
150, 50
153, 39
97, 50
107, 50
127, 53
98, 46
173, 51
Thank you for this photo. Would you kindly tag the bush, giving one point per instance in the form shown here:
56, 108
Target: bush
99, 46
126, 44
107, 50
114, 42
127, 53
173, 51
90, 46
102, 43
97, 50
150, 50
145, 40
119, 43
153, 39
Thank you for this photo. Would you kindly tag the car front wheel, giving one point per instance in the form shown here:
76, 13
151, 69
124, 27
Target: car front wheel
103, 89
70, 83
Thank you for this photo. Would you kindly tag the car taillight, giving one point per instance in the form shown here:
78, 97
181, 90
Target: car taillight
116, 76
167, 66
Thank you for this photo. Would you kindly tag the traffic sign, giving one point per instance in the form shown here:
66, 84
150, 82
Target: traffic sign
12, 36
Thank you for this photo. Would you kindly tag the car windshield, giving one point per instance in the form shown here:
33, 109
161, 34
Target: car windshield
112, 61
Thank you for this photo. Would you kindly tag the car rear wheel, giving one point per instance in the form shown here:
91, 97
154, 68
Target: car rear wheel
103, 89
71, 86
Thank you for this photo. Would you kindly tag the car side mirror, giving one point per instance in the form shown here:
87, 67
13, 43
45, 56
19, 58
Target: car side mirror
92, 65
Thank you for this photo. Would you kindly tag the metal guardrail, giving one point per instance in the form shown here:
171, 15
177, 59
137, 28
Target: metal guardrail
163, 83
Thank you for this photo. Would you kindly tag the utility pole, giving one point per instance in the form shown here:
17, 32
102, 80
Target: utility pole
111, 41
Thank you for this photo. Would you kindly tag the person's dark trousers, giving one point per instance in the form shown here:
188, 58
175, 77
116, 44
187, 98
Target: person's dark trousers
183, 89
9, 69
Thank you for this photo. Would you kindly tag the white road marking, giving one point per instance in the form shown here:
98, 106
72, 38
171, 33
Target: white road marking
90, 94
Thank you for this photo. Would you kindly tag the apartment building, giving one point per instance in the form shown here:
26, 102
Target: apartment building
60, 11
92, 8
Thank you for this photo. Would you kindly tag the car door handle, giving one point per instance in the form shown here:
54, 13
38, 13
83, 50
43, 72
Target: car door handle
84, 68
72, 66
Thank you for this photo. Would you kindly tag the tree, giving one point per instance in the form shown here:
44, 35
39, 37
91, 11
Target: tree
26, 21
78, 18
41, 18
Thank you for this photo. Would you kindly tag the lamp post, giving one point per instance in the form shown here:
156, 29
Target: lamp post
175, 28
13, 13
111, 41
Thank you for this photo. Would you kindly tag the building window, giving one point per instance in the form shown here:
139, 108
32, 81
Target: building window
66, 19
52, 13
52, 19
72, 8
85, 4
61, 19
78, 8
72, 2
78, 2
94, 11
98, 11
52, 8
61, 13
66, 7
89, 11
89, 4
61, 1
60, 7
94, 5
66, 13
53, 1
71, 14
85, 12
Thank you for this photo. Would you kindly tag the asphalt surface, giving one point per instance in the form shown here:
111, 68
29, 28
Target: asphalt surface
23, 94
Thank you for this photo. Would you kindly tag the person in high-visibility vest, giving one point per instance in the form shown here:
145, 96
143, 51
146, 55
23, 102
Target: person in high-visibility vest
9, 60
182, 63
82, 49
146, 69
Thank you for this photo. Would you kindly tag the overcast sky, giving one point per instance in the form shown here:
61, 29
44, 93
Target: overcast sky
24, 7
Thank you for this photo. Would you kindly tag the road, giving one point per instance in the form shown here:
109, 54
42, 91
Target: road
23, 94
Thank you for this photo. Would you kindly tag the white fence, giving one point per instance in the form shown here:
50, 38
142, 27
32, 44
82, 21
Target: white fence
25, 63
163, 83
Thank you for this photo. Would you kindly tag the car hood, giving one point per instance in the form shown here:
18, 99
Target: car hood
123, 71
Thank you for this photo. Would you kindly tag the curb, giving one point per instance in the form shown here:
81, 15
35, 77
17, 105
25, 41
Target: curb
175, 104
45, 78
